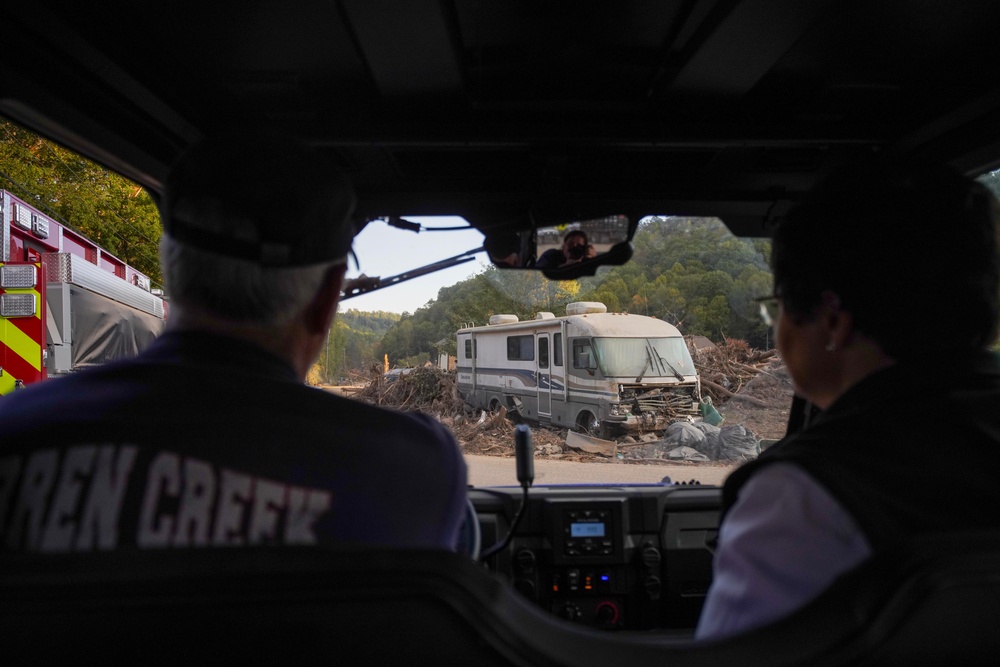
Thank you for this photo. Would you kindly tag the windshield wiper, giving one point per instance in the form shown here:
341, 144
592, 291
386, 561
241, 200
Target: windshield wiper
677, 373
649, 362
363, 284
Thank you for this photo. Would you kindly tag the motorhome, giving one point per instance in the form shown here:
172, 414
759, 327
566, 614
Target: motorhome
598, 372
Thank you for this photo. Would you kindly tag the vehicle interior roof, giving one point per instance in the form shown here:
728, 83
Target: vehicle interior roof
520, 113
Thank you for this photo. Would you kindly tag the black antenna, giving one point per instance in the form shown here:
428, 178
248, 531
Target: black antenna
524, 454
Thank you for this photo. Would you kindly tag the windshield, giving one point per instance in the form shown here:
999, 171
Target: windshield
645, 357
689, 272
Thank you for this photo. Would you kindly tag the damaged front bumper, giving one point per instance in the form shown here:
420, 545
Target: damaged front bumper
641, 409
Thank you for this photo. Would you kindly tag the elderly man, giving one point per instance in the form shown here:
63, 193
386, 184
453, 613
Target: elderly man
210, 437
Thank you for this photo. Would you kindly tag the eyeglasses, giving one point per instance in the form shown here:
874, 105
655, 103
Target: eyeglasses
769, 309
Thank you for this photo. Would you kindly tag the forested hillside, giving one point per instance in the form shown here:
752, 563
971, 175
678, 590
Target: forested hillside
352, 341
694, 274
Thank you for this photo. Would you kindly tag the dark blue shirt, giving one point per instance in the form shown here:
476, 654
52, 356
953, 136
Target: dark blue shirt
551, 259
206, 441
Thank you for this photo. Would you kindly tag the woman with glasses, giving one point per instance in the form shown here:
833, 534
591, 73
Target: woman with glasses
885, 304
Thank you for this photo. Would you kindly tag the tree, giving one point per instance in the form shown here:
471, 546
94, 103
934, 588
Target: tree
693, 273
110, 210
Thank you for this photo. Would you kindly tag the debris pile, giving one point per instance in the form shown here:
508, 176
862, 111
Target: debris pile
763, 403
425, 389
686, 441
749, 388
434, 392
727, 367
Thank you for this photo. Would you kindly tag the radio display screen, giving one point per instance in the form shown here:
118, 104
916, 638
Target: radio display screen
588, 529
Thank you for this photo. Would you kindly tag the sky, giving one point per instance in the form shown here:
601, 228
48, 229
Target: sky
385, 251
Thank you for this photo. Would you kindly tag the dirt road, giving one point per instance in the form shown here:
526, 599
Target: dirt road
497, 471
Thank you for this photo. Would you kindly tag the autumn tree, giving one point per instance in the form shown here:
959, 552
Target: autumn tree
112, 211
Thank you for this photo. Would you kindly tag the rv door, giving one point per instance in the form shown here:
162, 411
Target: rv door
543, 375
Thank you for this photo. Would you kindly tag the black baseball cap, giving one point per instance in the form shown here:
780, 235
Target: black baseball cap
259, 196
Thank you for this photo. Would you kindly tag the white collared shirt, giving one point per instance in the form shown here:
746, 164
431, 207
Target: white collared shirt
783, 542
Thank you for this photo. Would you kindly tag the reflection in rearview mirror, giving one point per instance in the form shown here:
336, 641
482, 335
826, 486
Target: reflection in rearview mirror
578, 241
565, 249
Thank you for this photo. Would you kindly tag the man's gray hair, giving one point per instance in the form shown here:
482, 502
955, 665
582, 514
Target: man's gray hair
235, 289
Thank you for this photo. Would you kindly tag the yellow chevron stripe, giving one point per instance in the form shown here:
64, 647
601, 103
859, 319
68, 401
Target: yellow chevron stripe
21, 344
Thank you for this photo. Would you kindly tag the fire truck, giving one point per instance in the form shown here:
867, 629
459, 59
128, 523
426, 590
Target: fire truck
65, 302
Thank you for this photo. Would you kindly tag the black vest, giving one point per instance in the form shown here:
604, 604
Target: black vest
911, 449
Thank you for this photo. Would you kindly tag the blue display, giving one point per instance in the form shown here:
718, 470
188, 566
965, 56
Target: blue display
591, 529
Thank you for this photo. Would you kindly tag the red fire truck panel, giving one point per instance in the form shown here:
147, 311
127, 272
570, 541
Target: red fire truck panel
83, 307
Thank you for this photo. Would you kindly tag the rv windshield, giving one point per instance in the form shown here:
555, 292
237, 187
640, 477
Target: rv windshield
644, 357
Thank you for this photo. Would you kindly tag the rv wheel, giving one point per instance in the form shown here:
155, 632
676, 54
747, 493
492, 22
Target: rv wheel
494, 405
588, 423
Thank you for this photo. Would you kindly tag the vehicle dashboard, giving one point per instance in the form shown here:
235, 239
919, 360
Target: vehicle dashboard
626, 557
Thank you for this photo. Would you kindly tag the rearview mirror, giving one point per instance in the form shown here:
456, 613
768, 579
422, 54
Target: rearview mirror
566, 251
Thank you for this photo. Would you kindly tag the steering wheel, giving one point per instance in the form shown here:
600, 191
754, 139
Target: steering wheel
470, 535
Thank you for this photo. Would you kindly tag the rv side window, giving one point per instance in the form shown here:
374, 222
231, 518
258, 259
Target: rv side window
557, 350
543, 352
470, 349
521, 348
583, 354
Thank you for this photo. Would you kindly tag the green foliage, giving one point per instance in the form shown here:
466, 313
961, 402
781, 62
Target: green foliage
352, 341
692, 272
416, 360
373, 322
110, 210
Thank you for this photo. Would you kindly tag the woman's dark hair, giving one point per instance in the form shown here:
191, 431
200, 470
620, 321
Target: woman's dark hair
911, 252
